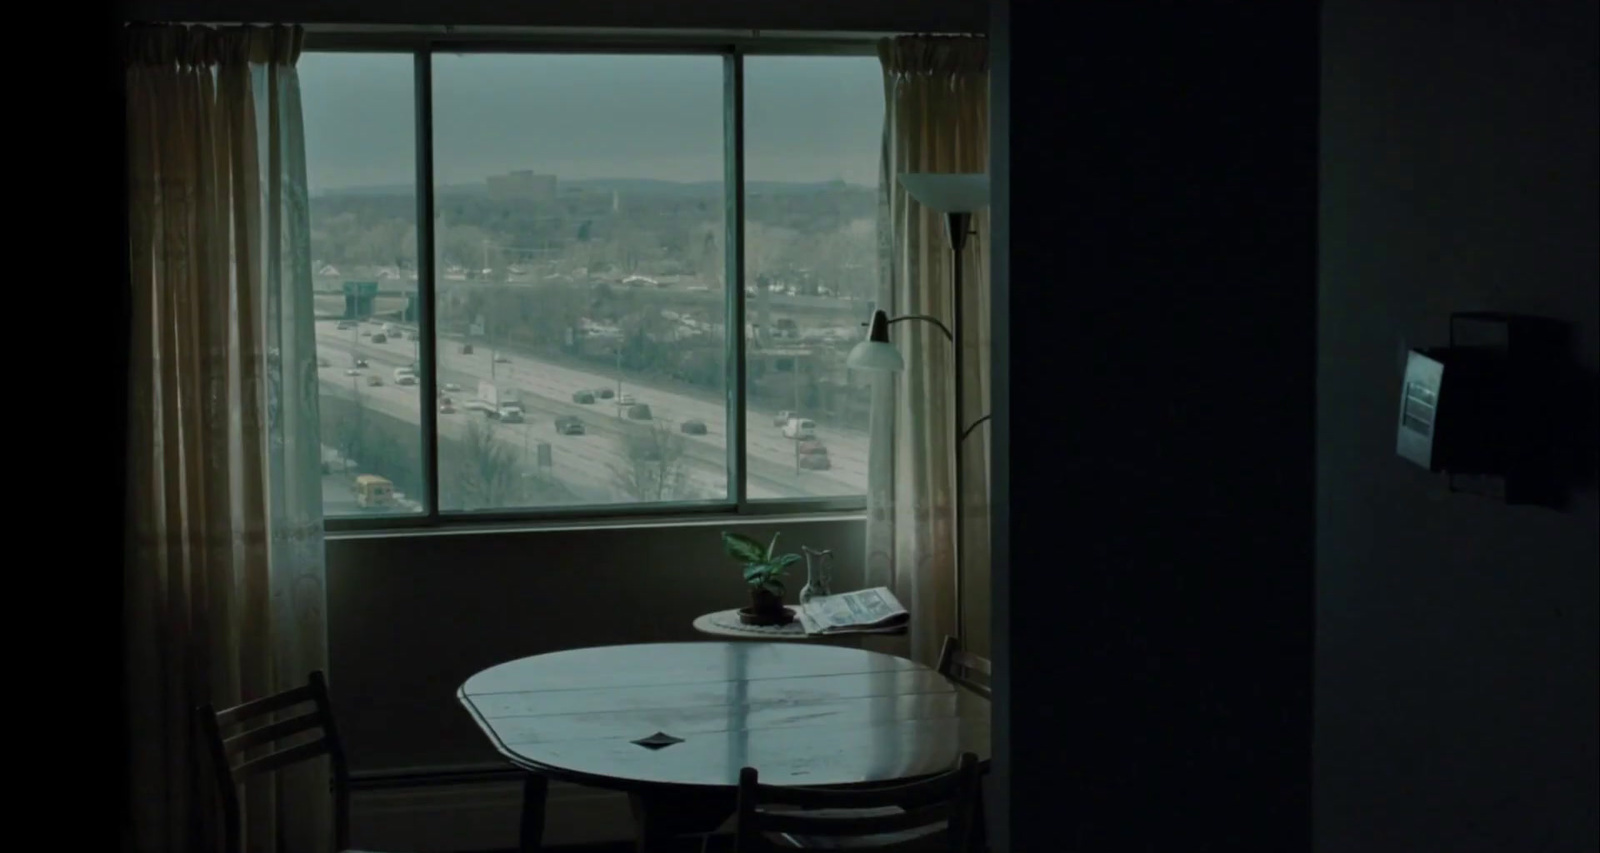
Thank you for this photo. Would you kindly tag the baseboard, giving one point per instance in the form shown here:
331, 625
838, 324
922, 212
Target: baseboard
453, 816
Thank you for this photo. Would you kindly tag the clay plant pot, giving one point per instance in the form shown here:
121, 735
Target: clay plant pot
766, 608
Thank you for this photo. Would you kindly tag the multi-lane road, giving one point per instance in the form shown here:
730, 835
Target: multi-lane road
586, 464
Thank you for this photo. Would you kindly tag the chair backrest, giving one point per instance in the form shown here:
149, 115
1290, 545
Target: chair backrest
948, 801
964, 667
258, 733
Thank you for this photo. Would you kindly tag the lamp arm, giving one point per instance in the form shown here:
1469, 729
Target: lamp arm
972, 426
928, 317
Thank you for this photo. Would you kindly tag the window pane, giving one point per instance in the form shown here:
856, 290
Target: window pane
581, 304
360, 123
813, 136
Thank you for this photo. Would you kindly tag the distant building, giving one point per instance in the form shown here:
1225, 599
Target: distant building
522, 184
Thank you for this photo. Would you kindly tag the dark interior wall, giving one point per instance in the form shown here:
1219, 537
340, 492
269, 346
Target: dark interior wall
1155, 301
837, 15
1456, 649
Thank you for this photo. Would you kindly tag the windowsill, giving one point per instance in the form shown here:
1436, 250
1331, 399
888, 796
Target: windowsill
619, 523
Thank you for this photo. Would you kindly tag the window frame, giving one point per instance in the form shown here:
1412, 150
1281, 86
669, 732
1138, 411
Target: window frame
423, 44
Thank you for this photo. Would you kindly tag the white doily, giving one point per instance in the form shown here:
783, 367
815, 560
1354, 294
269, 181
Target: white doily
728, 620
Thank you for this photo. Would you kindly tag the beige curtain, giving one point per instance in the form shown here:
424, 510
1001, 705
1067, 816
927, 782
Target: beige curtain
225, 569
936, 93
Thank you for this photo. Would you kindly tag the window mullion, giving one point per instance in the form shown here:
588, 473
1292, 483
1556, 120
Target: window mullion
426, 333
733, 275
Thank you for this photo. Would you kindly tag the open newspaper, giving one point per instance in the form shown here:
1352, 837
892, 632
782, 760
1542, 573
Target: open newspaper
867, 611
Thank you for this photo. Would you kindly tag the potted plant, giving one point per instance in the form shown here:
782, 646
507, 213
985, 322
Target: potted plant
764, 570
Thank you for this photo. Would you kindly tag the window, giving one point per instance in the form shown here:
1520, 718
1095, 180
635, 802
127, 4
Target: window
813, 137
575, 348
361, 174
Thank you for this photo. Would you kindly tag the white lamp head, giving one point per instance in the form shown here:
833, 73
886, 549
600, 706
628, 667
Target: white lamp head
948, 193
876, 353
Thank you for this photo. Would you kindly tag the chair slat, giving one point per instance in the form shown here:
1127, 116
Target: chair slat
909, 795
801, 823
265, 705
944, 805
899, 842
271, 732
282, 758
971, 661
956, 664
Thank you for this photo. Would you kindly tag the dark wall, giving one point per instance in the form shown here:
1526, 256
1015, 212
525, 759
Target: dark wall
1456, 649
1156, 302
838, 15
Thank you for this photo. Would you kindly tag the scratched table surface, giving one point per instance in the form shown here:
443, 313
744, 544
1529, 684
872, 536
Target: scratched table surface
801, 714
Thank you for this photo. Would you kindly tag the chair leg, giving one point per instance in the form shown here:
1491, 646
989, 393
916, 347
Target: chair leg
535, 787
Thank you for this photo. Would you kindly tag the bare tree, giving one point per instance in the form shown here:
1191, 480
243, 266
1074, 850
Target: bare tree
485, 470
350, 436
653, 467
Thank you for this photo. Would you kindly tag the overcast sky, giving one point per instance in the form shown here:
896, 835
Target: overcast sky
578, 116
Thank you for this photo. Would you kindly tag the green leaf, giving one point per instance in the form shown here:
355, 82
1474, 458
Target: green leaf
743, 548
785, 561
774, 546
756, 573
774, 586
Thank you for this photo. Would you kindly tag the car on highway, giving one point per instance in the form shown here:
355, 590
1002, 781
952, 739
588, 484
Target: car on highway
445, 401
380, 338
374, 380
351, 371
450, 386
625, 399
508, 415
812, 447
466, 349
693, 426
583, 396
446, 408
815, 462
639, 412
322, 361
346, 324
569, 425
800, 428
784, 417
404, 376
361, 362
366, 333
501, 359
604, 393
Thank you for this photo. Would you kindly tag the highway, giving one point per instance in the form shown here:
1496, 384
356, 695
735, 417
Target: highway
586, 463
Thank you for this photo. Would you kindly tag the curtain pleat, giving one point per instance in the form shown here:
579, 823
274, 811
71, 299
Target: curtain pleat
936, 94
225, 576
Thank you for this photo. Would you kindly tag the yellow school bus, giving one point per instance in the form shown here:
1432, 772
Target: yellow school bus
372, 490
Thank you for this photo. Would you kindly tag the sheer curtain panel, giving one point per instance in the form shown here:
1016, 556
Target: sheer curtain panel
225, 598
936, 95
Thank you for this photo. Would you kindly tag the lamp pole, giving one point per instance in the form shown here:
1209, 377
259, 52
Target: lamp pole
957, 226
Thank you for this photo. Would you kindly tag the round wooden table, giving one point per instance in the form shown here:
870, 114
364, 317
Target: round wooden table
802, 714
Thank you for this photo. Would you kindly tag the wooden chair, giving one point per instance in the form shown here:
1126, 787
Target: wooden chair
964, 668
934, 814
254, 736
973, 673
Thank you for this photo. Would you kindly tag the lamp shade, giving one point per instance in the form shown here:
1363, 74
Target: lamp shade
876, 353
948, 193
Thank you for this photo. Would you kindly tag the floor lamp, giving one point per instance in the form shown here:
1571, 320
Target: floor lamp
957, 197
